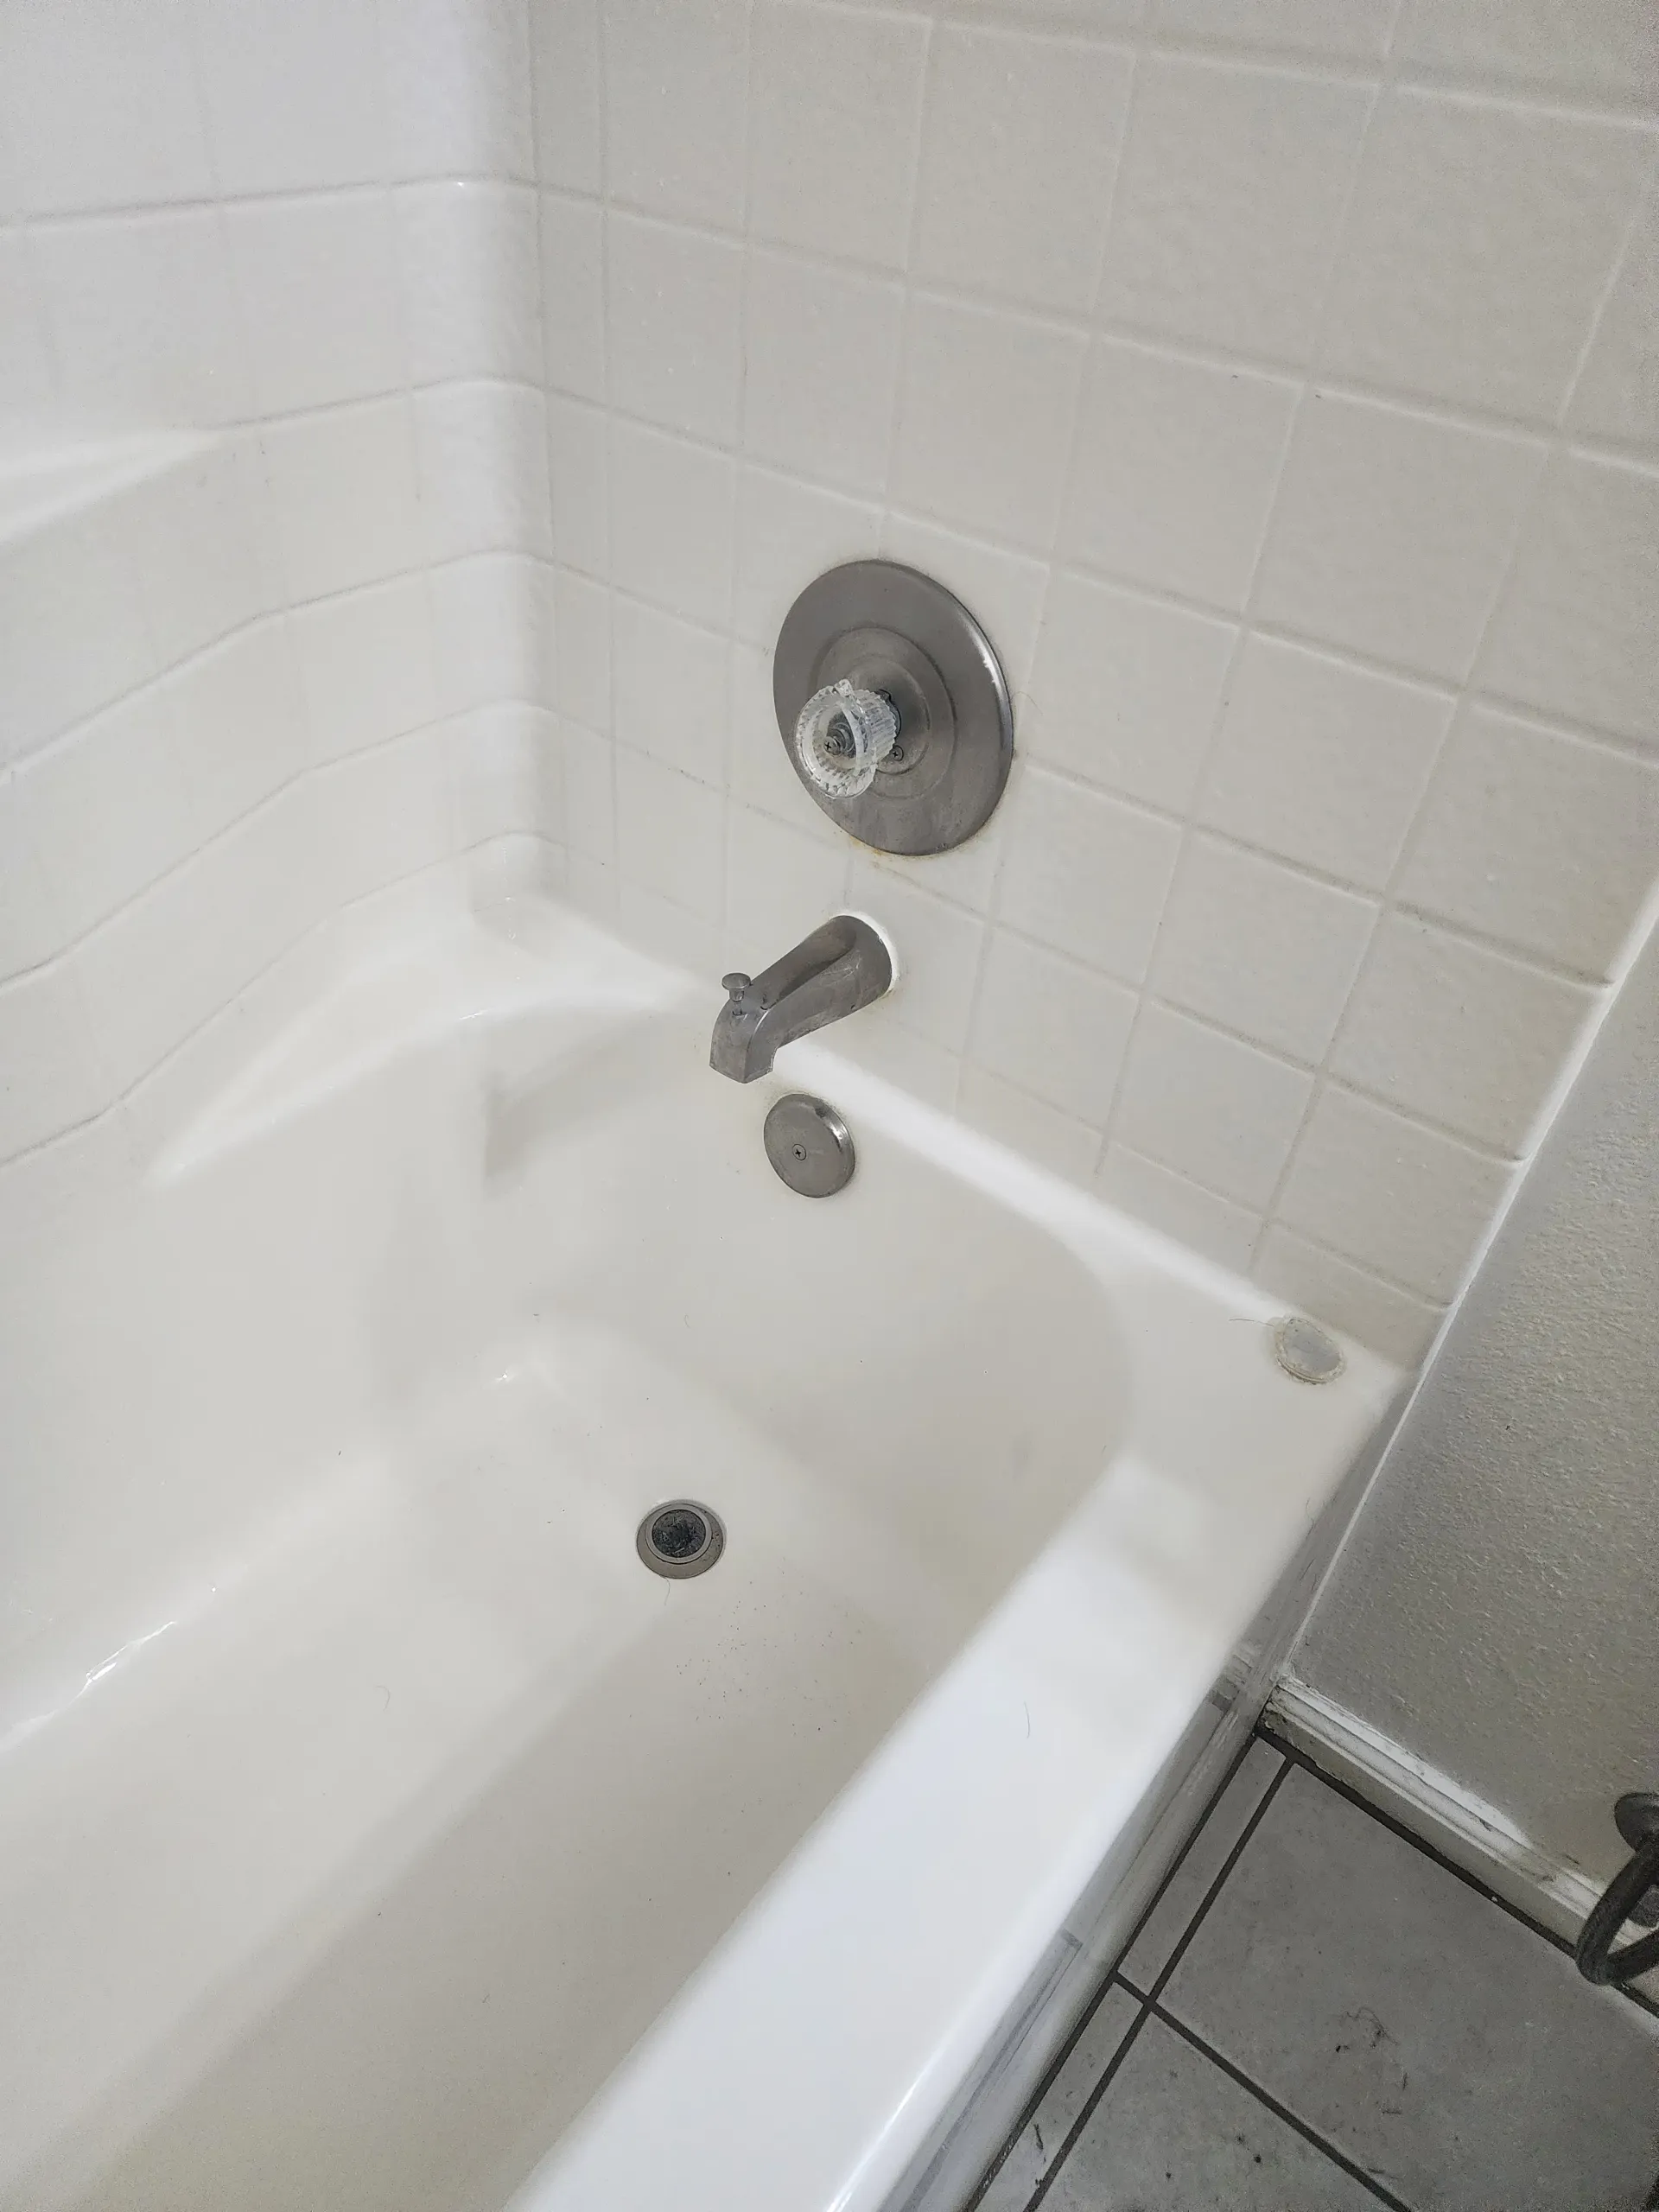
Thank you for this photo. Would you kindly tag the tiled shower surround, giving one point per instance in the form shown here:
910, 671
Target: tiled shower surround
1276, 379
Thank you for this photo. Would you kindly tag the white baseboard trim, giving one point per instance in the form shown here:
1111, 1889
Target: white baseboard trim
1461, 1827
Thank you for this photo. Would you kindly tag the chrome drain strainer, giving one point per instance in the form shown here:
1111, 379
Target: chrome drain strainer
681, 1538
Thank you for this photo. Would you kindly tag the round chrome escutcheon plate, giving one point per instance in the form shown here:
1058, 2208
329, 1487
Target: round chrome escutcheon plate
810, 1146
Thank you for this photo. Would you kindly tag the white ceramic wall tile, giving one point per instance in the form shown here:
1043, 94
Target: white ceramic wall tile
938, 951
99, 106
673, 332
1181, 1208
467, 255
481, 467
1125, 690
199, 538
1051, 1027
1357, 30
73, 634
1322, 761
1482, 238
820, 367
564, 36
1576, 634
966, 875
1176, 470
1020, 149
27, 374
573, 280
1462, 1035
166, 962
676, 82
668, 931
1393, 531
779, 885
1026, 1125
670, 834
1616, 394
486, 641
671, 691
31, 929
458, 83
281, 118
1607, 47
1402, 1200
833, 110
589, 795
579, 474
985, 419
582, 613
365, 665
317, 282
787, 533
239, 724
343, 496
1391, 1321
1095, 18
672, 521
505, 770
50, 1078
107, 809
1261, 948
1178, 1070
383, 814
1087, 875
1543, 840
1231, 202
144, 319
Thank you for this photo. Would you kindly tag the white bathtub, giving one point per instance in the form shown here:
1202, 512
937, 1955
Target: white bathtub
377, 1832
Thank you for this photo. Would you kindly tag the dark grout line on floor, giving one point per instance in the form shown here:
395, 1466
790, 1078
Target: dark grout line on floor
1470, 1881
1320, 2143
1099, 1997
1215, 1889
1148, 2001
1057, 2165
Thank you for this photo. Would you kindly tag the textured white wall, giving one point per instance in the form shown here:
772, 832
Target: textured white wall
1494, 1609
288, 251
1277, 381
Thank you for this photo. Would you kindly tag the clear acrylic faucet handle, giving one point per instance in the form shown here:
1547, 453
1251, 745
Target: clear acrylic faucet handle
843, 735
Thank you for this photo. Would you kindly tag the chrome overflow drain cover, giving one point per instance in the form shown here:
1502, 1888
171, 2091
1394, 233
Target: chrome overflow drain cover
680, 1539
1305, 1350
809, 1145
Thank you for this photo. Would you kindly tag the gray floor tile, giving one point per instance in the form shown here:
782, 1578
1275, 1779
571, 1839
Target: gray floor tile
1175, 2133
1185, 1889
1441, 2045
1039, 2142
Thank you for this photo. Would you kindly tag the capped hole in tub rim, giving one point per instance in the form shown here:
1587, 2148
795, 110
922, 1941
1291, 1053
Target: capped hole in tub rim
680, 1538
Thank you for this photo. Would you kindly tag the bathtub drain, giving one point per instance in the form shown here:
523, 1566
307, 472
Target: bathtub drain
681, 1538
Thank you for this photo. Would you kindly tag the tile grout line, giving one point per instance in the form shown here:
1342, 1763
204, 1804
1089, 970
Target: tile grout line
1094, 2098
1283, 2112
1147, 2003
1299, 1757
1190, 1931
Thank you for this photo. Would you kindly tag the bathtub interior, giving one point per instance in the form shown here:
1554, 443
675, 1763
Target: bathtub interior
367, 1799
